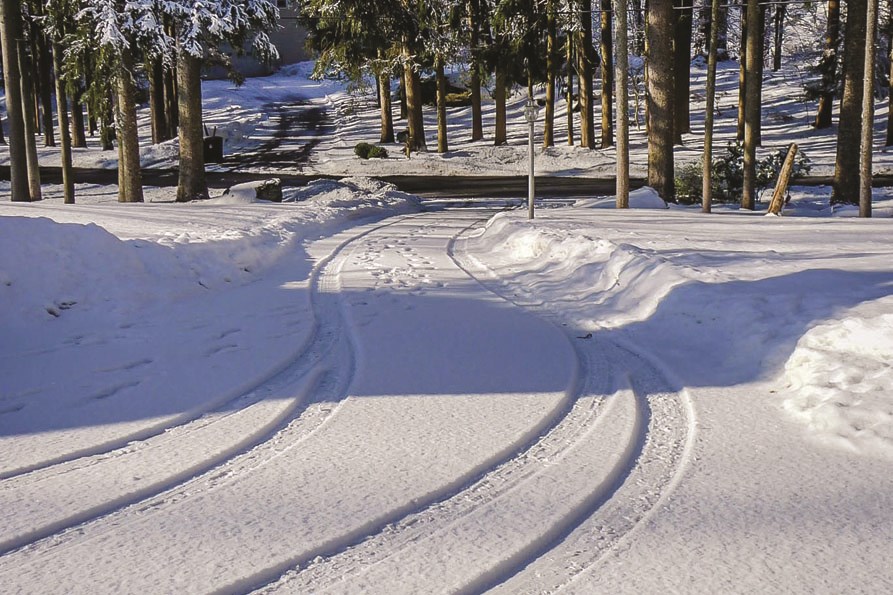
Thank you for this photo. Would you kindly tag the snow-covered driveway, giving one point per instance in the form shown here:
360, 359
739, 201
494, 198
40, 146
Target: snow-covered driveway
429, 432
309, 397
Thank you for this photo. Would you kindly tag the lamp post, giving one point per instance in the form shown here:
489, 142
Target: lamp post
530, 112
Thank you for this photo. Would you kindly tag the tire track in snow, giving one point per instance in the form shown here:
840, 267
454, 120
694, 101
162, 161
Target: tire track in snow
286, 421
571, 439
665, 447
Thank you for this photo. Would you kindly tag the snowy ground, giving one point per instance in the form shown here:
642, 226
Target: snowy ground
349, 392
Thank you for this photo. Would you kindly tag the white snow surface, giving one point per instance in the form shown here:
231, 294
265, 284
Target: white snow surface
349, 393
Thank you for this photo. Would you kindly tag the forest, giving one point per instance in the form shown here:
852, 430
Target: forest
99, 58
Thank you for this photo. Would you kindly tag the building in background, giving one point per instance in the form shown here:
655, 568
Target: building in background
289, 40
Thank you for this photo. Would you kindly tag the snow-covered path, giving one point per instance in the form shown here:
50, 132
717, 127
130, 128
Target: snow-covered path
466, 449
306, 397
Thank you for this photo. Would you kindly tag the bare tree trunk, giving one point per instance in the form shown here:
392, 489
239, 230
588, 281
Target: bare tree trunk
387, 117
784, 178
192, 184
171, 101
828, 66
477, 118
742, 76
780, 11
78, 137
10, 31
585, 65
660, 113
45, 83
551, 74
760, 65
130, 181
442, 144
846, 167
414, 114
106, 124
404, 111
889, 139
712, 56
30, 124
867, 132
752, 107
622, 83
500, 136
607, 53
569, 97
682, 66
157, 109
64, 132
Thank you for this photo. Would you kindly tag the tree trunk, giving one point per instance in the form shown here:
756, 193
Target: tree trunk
620, 10
607, 53
106, 124
130, 182
477, 118
682, 68
64, 132
551, 74
500, 136
752, 106
157, 109
442, 144
30, 124
779, 36
784, 178
867, 132
569, 97
78, 136
828, 66
585, 65
192, 184
387, 117
660, 114
45, 80
10, 31
760, 67
414, 114
404, 111
171, 101
742, 77
846, 167
889, 140
712, 58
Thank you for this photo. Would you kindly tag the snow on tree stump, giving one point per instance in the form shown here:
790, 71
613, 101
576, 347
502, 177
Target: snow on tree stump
269, 190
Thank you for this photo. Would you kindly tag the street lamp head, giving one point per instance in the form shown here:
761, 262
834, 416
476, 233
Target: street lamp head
530, 111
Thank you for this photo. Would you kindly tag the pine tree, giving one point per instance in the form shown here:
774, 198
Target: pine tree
846, 167
10, 31
660, 112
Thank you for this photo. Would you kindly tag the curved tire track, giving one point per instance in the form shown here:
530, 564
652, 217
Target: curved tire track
597, 419
281, 423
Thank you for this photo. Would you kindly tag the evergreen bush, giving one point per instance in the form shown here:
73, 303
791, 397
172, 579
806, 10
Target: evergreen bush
728, 175
370, 151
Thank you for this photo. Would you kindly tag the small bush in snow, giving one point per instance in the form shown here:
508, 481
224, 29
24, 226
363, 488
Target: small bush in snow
369, 151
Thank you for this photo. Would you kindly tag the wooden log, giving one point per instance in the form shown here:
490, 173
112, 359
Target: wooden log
784, 178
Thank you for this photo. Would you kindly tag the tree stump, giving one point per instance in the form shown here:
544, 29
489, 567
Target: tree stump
784, 178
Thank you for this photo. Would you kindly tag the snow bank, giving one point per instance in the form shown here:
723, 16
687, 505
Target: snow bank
192, 248
839, 376
605, 284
